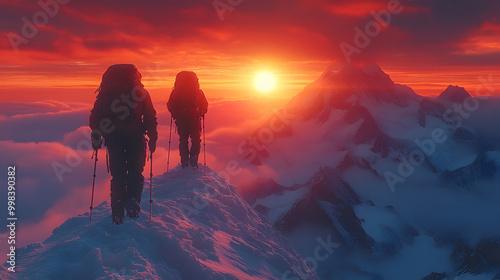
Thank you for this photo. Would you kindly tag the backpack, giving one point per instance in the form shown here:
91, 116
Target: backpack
121, 94
187, 81
185, 97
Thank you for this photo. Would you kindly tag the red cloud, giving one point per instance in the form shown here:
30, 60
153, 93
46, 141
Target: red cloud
85, 37
356, 9
485, 40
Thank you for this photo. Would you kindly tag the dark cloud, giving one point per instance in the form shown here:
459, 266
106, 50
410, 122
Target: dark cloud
18, 108
426, 30
435, 33
48, 173
48, 127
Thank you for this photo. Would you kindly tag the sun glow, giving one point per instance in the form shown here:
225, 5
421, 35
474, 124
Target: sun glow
265, 82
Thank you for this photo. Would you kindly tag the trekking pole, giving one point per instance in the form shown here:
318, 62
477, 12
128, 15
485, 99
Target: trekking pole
151, 187
204, 144
169, 141
107, 160
93, 185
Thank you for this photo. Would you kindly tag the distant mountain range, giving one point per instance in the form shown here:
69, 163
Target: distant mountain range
406, 184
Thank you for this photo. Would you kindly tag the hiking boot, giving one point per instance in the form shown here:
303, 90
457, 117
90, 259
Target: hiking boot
117, 211
133, 214
117, 218
133, 208
193, 162
184, 164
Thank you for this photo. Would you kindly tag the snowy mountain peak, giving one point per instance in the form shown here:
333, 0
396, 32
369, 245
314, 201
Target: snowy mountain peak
356, 77
201, 229
410, 179
349, 86
454, 94
371, 75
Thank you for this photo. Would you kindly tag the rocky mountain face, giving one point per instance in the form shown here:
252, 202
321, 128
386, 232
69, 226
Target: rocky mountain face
356, 132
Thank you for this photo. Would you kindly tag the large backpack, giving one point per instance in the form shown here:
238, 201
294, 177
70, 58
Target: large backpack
121, 94
184, 98
187, 80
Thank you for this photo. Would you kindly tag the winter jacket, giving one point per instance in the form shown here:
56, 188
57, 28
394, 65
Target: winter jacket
187, 103
117, 109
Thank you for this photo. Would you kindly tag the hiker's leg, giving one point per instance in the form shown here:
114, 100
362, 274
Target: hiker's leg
118, 169
136, 159
183, 130
195, 133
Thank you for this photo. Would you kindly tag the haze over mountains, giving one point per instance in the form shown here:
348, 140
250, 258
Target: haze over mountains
386, 183
408, 185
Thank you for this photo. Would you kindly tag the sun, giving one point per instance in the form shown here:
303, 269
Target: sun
265, 82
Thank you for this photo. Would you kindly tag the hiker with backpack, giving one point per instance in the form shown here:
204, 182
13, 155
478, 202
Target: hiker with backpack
123, 114
187, 105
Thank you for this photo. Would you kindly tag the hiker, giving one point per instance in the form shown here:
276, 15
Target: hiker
123, 113
187, 105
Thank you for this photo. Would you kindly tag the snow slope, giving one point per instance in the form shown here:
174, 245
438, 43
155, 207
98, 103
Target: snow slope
201, 229
357, 130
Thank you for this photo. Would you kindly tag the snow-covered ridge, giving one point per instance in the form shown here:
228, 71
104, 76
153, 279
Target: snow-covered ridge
201, 229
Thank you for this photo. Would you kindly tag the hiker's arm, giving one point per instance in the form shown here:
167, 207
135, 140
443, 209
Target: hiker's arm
150, 122
95, 114
171, 102
94, 120
172, 105
202, 102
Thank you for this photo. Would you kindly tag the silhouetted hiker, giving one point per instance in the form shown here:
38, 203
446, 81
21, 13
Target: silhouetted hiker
187, 104
123, 113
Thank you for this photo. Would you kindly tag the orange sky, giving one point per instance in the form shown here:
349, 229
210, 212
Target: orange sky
426, 46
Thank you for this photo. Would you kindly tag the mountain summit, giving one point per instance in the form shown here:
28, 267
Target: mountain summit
201, 229
454, 94
349, 86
